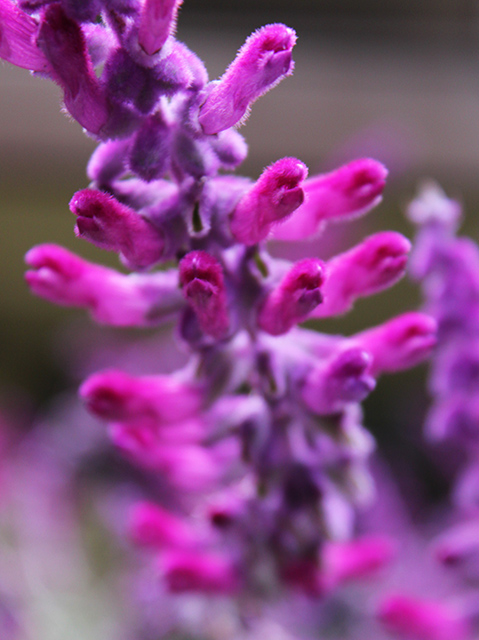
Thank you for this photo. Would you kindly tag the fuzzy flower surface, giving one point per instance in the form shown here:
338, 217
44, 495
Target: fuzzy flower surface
259, 438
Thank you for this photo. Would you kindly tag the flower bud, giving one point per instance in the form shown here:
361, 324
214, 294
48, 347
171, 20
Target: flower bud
399, 343
111, 297
114, 395
261, 63
351, 190
108, 161
201, 277
275, 195
355, 559
152, 526
371, 266
199, 571
422, 619
342, 379
294, 298
108, 224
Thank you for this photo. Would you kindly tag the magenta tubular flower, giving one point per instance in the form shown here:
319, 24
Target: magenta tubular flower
399, 343
153, 526
172, 450
201, 277
257, 444
111, 297
262, 62
114, 395
420, 619
113, 226
343, 563
56, 270
351, 190
193, 469
457, 549
341, 380
193, 571
363, 557
296, 296
375, 264
276, 194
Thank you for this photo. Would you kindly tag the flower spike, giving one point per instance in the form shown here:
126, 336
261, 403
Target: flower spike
261, 63
253, 457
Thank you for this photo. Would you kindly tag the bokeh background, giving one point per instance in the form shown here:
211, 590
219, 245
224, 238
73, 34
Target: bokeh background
396, 80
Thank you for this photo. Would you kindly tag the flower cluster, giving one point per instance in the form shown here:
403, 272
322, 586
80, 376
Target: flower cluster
447, 267
259, 438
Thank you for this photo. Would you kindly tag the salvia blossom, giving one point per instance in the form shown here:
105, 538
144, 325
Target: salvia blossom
259, 437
